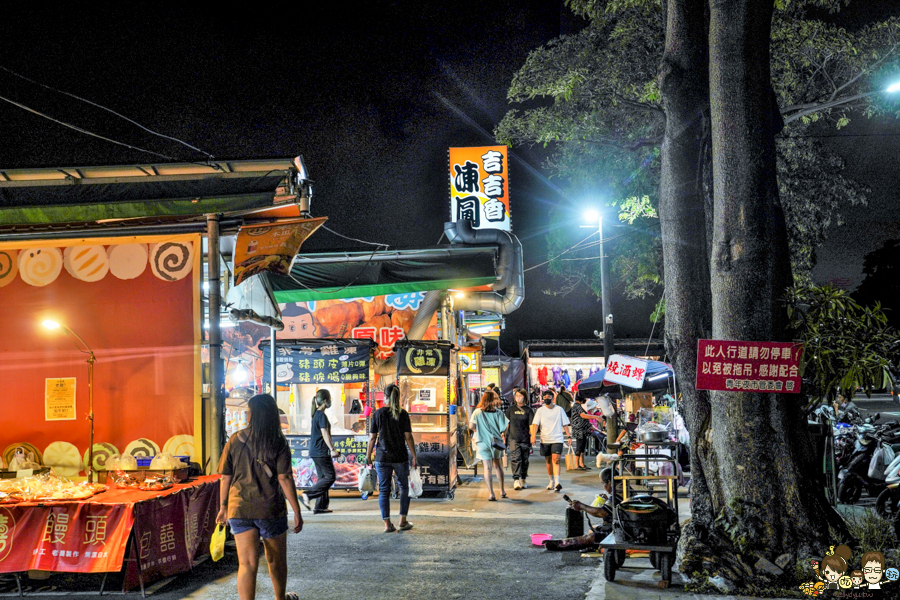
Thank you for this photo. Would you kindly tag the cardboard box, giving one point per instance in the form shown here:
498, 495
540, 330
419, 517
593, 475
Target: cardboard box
635, 402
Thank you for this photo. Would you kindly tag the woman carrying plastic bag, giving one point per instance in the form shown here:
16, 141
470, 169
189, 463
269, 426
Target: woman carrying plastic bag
390, 437
415, 484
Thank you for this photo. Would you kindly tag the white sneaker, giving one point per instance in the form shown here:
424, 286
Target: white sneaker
524, 485
550, 486
517, 485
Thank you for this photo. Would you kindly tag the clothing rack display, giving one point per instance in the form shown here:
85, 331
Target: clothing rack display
555, 375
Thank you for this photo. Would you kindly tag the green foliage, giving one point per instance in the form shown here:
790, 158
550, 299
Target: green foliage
872, 532
593, 99
634, 208
845, 345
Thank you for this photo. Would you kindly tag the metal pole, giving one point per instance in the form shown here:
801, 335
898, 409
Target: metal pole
90, 361
216, 375
612, 427
273, 387
604, 296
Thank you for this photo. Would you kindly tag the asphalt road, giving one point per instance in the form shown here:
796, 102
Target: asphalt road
461, 548
885, 404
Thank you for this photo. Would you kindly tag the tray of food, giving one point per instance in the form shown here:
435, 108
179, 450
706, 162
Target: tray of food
46, 487
134, 478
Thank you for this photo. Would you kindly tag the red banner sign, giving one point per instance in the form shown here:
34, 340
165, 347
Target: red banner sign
81, 538
171, 532
171, 529
737, 366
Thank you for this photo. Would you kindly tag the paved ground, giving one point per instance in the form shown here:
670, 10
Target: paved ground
462, 548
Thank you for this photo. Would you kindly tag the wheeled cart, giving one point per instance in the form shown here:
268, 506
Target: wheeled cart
662, 545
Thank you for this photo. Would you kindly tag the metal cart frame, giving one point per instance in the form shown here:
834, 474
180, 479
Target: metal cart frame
661, 556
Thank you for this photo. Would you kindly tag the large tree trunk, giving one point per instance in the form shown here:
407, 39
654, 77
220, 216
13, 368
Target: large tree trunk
758, 445
684, 84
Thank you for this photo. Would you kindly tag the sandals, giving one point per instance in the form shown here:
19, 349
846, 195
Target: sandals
391, 529
304, 501
503, 495
406, 526
291, 596
492, 499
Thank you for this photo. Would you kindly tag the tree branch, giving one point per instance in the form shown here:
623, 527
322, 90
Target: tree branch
644, 143
808, 109
641, 105
863, 72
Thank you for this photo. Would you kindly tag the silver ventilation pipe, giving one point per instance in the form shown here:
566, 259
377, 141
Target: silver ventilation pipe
510, 270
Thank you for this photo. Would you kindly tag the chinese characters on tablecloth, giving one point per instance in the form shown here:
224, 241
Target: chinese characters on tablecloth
479, 187
749, 366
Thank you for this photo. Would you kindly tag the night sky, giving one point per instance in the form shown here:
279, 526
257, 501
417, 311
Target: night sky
356, 91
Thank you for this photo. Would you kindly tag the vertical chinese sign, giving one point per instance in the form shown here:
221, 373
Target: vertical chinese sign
479, 187
731, 366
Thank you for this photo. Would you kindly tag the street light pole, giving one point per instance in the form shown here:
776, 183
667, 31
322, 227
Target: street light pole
608, 346
90, 361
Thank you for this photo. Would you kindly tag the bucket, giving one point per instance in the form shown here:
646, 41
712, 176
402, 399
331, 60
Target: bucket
538, 539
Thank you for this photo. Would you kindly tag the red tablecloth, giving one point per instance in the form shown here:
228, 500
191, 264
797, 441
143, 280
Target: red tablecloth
171, 528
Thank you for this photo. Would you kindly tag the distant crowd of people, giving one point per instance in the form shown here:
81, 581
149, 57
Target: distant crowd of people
257, 479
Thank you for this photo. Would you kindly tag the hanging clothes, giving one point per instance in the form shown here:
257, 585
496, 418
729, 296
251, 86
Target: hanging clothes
579, 375
542, 376
557, 375
594, 369
566, 381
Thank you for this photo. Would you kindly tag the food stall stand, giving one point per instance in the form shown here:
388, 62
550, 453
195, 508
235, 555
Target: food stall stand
427, 376
551, 363
657, 429
344, 368
153, 534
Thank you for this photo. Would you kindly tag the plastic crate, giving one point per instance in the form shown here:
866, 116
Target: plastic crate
145, 462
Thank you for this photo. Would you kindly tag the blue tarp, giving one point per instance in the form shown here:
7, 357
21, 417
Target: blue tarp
658, 377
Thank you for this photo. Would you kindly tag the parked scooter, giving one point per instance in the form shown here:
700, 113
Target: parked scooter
856, 477
888, 499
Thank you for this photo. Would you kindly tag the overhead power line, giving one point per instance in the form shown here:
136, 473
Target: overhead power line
85, 131
109, 110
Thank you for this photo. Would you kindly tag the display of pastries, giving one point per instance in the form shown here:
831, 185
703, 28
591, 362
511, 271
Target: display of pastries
64, 458
46, 487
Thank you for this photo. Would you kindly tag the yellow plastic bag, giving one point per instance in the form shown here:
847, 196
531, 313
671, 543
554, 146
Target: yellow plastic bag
217, 542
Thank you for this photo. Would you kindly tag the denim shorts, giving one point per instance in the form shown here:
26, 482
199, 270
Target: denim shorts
268, 528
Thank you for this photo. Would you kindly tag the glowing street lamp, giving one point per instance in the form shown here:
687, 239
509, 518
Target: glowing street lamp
49, 324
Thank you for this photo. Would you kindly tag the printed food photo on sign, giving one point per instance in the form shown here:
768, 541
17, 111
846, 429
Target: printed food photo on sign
271, 247
40, 266
171, 261
87, 263
127, 261
383, 319
9, 266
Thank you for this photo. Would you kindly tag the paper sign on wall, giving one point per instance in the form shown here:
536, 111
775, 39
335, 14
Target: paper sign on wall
59, 399
427, 396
